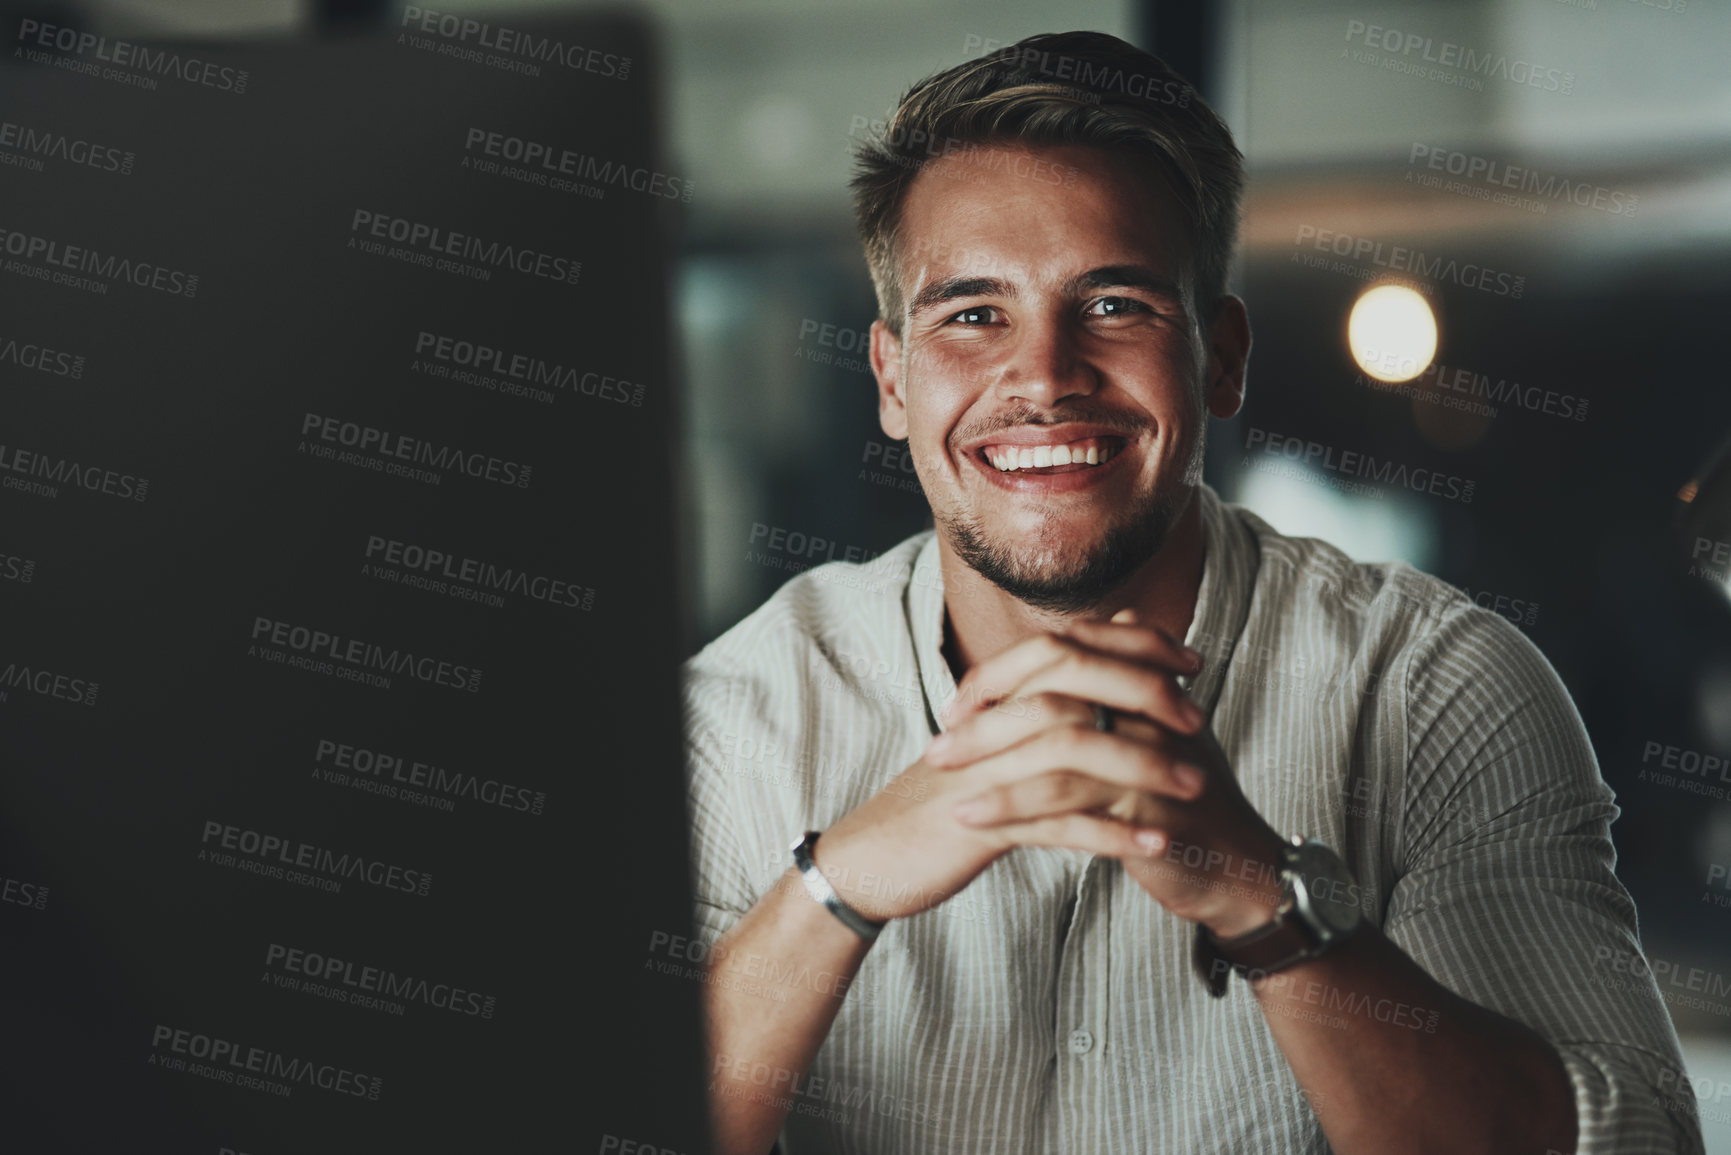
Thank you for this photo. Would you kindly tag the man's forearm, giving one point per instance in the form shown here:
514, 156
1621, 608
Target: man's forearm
765, 1031
1394, 1061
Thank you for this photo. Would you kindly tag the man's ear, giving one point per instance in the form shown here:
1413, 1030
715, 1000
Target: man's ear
886, 358
1228, 357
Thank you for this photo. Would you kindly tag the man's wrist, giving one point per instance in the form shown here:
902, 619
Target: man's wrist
1311, 918
1251, 903
818, 886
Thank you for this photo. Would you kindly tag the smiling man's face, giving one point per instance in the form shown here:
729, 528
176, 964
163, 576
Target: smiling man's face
1050, 372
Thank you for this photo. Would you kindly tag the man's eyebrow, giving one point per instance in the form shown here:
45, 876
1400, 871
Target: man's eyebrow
952, 288
1105, 277
1126, 277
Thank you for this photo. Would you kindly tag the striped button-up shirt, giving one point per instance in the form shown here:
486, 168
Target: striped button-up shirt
1051, 1005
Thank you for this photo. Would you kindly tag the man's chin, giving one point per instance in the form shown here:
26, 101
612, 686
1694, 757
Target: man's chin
1055, 575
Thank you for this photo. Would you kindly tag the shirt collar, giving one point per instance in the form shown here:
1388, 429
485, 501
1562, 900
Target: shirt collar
1229, 564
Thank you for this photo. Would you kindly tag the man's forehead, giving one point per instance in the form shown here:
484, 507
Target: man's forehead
1124, 269
957, 224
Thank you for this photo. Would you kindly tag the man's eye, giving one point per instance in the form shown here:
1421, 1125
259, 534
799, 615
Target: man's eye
976, 316
1116, 307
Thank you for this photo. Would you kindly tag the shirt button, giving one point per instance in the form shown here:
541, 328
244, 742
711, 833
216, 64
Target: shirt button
1081, 1042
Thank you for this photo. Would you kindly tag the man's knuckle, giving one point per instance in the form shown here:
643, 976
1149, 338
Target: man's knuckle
1059, 787
1146, 688
1166, 693
1150, 643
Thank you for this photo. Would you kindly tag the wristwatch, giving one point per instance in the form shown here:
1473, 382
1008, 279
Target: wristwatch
1318, 911
819, 888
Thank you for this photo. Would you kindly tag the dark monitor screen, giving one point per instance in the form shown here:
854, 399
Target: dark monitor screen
340, 781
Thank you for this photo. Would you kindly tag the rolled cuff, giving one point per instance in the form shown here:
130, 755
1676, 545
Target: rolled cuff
1627, 1099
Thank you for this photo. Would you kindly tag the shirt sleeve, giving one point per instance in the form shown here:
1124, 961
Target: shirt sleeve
721, 875
1505, 887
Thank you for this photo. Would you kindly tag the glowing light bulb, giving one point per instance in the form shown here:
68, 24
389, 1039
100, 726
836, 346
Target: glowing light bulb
1392, 333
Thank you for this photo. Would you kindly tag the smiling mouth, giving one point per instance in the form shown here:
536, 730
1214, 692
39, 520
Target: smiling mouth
1068, 457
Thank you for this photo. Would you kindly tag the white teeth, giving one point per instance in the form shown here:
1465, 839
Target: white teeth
1043, 456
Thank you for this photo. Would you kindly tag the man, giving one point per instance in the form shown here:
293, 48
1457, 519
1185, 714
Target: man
1333, 872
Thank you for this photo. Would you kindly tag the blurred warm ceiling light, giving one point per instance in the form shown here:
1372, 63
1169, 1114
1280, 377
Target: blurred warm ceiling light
1392, 333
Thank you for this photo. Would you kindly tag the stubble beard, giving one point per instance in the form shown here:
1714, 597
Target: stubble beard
1041, 576
1056, 577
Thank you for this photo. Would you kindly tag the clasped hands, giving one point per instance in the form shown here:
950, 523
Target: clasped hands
1155, 791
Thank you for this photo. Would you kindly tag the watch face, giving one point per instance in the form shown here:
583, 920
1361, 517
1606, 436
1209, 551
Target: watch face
1327, 891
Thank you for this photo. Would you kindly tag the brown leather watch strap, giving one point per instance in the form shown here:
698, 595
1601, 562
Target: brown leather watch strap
1278, 943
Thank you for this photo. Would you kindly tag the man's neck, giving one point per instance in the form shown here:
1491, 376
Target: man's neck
981, 620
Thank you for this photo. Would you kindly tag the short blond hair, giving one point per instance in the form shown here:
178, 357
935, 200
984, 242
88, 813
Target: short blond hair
1067, 88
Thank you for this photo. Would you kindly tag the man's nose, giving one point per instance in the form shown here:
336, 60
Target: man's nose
1045, 364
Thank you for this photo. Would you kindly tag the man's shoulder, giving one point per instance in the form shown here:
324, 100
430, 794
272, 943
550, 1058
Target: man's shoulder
1303, 576
1415, 648
812, 609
